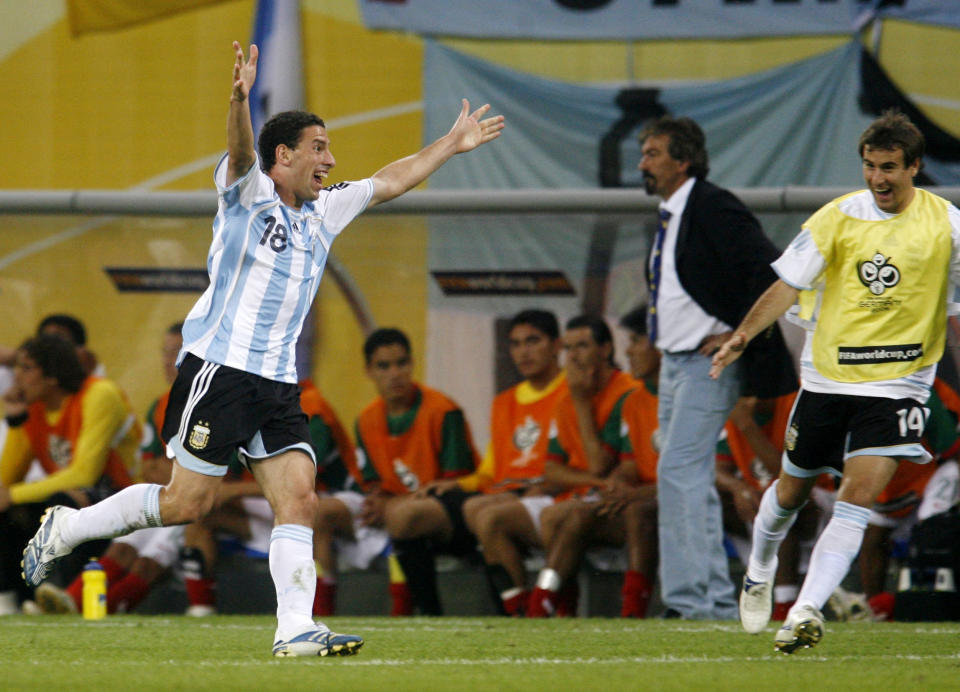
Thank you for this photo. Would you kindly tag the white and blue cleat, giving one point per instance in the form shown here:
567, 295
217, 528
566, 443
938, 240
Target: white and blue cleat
802, 629
318, 642
756, 604
46, 547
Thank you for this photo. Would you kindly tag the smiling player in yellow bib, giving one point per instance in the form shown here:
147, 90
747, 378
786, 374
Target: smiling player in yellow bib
872, 271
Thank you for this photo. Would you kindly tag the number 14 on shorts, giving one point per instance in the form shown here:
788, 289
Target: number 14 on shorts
912, 419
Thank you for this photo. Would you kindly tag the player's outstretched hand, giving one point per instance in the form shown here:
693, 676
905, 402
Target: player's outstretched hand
728, 353
244, 72
469, 131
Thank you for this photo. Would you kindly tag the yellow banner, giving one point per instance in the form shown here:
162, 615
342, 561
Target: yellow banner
87, 16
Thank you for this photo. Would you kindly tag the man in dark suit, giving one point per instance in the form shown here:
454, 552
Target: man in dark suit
709, 261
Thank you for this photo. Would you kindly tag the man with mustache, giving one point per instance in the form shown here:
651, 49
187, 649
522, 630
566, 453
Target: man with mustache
709, 261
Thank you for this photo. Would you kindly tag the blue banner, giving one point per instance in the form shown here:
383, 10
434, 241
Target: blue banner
279, 85
794, 125
644, 19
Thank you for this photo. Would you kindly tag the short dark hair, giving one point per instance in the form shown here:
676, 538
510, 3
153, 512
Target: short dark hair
636, 320
687, 142
57, 358
386, 336
175, 328
283, 128
78, 333
598, 329
893, 130
542, 320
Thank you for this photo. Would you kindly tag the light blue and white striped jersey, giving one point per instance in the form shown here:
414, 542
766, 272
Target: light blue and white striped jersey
265, 264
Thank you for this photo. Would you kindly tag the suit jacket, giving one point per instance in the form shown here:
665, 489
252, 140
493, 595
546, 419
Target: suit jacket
723, 262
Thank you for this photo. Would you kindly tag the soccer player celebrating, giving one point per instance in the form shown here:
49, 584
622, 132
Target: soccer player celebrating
237, 384
880, 260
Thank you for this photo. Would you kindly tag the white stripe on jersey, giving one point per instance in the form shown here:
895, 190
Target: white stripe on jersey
265, 265
214, 269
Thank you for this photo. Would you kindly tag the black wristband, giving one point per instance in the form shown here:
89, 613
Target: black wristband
18, 419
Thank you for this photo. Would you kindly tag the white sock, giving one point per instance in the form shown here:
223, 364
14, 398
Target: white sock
134, 507
769, 529
549, 579
294, 576
835, 549
785, 593
9, 603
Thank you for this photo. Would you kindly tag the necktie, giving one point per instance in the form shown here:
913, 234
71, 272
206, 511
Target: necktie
654, 273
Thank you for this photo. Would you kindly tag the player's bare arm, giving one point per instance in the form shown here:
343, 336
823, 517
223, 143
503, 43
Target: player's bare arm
7, 356
240, 141
769, 306
711, 344
467, 133
436, 488
373, 511
562, 477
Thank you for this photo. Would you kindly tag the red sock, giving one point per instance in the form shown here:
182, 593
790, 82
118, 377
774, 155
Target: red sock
515, 606
567, 599
636, 595
781, 609
882, 606
542, 603
201, 591
324, 597
402, 600
113, 570
124, 595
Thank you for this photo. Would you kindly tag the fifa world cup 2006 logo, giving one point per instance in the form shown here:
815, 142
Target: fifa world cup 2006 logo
878, 274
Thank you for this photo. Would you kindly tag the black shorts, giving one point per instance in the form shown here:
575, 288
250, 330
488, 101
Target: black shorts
462, 542
215, 410
827, 429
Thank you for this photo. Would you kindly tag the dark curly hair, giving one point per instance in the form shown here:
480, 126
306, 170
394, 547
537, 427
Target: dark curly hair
386, 336
283, 128
687, 142
636, 320
542, 320
78, 333
599, 330
893, 130
57, 358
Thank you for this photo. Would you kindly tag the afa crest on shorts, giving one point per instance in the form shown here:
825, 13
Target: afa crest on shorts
200, 435
790, 438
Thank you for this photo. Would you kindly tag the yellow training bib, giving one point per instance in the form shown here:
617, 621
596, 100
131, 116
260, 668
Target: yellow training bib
883, 305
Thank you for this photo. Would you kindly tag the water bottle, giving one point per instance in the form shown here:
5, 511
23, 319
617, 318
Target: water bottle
944, 580
905, 582
94, 591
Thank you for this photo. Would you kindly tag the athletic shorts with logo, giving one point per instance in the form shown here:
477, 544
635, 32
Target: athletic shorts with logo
827, 429
215, 410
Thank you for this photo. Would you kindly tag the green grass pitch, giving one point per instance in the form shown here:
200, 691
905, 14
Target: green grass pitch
130, 652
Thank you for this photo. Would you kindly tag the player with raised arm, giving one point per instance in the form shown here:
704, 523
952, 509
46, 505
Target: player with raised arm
237, 383
875, 267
